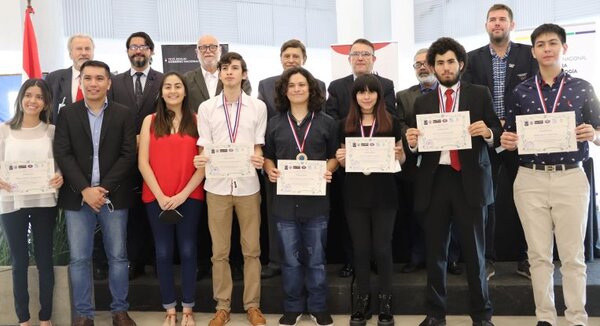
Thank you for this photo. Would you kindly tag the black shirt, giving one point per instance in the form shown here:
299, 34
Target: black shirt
321, 144
376, 190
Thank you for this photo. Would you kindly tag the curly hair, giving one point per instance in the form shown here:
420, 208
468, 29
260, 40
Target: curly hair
315, 98
443, 45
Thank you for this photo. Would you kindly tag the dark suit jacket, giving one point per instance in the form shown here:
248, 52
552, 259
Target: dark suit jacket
73, 152
266, 93
198, 92
340, 90
60, 86
476, 168
521, 65
405, 101
122, 92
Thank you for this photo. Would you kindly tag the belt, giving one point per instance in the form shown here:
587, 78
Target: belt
551, 168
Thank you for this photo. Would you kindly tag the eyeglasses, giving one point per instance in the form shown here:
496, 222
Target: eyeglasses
419, 65
138, 47
364, 54
212, 47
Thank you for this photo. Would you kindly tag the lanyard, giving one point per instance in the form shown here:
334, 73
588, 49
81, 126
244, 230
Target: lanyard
362, 130
556, 100
443, 101
232, 131
300, 146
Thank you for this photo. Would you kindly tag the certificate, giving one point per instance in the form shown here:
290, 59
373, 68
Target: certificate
229, 161
546, 133
368, 155
28, 177
444, 131
302, 178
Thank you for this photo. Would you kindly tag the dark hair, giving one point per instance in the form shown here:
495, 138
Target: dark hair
368, 82
17, 120
143, 35
163, 122
500, 6
315, 97
549, 28
228, 57
443, 45
365, 42
96, 63
293, 43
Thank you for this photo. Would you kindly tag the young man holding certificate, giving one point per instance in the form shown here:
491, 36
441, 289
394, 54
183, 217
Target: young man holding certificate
301, 132
454, 187
551, 190
231, 128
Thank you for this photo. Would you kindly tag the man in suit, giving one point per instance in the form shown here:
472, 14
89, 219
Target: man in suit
292, 55
203, 82
501, 65
94, 147
138, 88
361, 59
454, 187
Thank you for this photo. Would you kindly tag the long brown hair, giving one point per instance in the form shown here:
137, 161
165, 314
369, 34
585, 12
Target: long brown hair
368, 83
163, 122
17, 120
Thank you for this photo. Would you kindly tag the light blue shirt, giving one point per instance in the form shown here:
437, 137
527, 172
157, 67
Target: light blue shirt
96, 128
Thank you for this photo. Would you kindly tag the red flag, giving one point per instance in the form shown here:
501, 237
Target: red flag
31, 58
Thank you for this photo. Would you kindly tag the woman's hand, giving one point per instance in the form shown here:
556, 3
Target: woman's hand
273, 174
340, 156
328, 176
174, 201
200, 161
5, 185
56, 181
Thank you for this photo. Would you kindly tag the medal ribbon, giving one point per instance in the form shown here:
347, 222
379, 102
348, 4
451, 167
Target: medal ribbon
443, 103
556, 100
300, 147
232, 131
362, 131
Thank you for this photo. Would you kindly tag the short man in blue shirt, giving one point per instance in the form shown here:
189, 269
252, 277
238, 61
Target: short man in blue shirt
551, 191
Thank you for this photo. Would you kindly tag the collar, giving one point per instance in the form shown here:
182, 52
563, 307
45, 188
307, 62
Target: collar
425, 90
208, 73
556, 79
101, 111
444, 88
245, 99
75, 73
494, 54
146, 71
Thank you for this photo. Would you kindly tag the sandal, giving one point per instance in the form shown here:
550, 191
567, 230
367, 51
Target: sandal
171, 319
188, 319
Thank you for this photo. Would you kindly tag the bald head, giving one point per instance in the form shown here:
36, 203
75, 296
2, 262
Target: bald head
208, 51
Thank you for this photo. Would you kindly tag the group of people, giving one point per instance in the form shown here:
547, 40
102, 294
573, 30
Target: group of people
97, 127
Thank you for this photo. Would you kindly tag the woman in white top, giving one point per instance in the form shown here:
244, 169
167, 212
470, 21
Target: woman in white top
27, 137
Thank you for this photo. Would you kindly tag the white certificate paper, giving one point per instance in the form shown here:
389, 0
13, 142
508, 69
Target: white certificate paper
28, 177
229, 161
302, 178
546, 133
369, 155
444, 131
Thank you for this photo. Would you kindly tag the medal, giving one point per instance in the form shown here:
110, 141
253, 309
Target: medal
232, 131
301, 156
556, 100
362, 134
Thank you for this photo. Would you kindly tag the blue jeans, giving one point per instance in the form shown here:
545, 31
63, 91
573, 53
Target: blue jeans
303, 263
185, 232
81, 226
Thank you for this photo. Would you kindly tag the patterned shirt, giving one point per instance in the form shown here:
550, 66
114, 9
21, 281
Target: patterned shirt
499, 74
578, 95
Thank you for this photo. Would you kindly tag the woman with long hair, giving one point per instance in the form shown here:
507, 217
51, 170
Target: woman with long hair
371, 201
172, 192
28, 137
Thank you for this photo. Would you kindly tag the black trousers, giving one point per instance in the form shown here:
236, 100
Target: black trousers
449, 207
16, 225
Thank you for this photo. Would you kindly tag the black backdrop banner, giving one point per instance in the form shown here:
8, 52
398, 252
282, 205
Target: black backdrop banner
182, 57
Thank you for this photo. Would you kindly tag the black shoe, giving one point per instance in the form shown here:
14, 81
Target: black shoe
237, 272
321, 318
361, 310
100, 273
290, 318
431, 321
523, 269
346, 271
483, 323
412, 267
135, 270
490, 269
385, 310
269, 272
543, 323
202, 271
454, 268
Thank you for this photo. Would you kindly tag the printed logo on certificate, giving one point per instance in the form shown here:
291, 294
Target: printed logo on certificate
371, 155
444, 131
28, 177
546, 133
302, 178
229, 161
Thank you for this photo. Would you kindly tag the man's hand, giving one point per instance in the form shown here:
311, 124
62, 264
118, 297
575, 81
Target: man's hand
585, 132
257, 161
412, 137
273, 174
95, 197
478, 128
509, 140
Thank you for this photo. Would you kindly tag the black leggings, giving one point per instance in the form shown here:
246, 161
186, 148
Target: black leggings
16, 224
371, 231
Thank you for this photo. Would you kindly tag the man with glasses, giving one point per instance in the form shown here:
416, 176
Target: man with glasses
138, 89
361, 59
203, 82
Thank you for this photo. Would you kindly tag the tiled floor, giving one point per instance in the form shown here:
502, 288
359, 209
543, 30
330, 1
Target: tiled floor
156, 319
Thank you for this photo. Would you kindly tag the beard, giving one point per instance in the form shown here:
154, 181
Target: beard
504, 37
426, 79
138, 60
449, 83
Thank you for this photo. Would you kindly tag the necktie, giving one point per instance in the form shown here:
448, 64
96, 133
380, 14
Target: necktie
454, 160
79, 95
137, 91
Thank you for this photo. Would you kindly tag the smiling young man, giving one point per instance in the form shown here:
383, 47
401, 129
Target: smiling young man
455, 187
551, 191
233, 117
